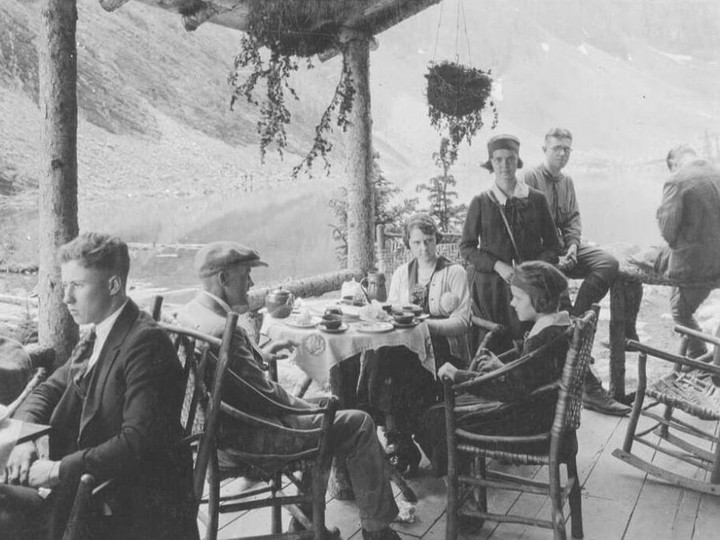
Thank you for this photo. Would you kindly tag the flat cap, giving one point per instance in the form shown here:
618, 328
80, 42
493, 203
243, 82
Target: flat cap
218, 256
502, 142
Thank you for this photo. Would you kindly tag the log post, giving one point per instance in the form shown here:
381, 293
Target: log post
58, 184
360, 219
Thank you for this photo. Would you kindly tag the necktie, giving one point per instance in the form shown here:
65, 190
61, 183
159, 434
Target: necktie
79, 360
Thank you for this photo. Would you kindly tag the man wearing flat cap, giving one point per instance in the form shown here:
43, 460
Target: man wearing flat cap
506, 225
224, 270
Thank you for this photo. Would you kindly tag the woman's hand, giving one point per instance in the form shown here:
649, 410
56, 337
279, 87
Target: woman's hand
504, 270
447, 371
489, 364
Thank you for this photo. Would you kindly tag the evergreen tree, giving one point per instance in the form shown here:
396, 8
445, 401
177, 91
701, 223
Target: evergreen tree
440, 192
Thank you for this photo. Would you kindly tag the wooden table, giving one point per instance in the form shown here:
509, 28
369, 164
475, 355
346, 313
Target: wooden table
625, 298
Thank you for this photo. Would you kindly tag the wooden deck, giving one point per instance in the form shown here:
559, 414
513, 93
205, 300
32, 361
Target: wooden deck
619, 502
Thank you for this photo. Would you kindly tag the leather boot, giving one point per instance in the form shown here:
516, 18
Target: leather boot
595, 398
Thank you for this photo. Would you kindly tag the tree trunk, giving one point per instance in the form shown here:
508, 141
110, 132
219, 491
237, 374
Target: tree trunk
58, 184
360, 219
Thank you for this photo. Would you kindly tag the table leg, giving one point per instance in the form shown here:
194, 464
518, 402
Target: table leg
625, 298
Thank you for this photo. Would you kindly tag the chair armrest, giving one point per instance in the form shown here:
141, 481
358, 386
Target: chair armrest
485, 324
262, 423
707, 338
270, 404
635, 346
40, 375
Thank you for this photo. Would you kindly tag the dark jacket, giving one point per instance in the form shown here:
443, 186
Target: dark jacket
689, 220
127, 428
485, 239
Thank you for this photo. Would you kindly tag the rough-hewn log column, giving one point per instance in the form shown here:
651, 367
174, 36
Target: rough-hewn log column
58, 183
359, 164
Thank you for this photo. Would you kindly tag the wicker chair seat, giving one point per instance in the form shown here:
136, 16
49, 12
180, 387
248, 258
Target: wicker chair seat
693, 394
523, 452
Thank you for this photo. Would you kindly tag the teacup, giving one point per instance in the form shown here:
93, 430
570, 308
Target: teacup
413, 308
332, 321
333, 311
404, 317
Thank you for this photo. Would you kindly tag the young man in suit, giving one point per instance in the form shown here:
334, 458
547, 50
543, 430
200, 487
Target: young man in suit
224, 271
114, 409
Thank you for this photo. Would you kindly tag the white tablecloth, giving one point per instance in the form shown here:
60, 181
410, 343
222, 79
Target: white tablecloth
319, 351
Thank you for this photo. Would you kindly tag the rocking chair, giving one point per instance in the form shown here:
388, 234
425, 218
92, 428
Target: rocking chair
692, 392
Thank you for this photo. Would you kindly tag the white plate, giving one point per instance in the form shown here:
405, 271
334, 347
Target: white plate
4, 412
297, 323
350, 312
342, 328
374, 327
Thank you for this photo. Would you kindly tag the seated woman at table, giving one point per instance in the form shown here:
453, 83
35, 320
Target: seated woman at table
536, 288
396, 388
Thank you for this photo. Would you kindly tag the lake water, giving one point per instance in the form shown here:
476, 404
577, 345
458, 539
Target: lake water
290, 226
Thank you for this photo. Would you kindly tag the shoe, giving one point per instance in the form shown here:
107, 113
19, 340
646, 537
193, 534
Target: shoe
386, 534
597, 399
402, 453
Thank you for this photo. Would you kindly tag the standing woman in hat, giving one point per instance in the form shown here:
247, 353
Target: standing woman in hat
506, 225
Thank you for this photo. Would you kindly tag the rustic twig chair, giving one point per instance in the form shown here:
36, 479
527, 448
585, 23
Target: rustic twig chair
692, 392
306, 468
559, 445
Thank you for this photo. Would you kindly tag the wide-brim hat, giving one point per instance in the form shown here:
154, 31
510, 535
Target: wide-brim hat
502, 142
223, 255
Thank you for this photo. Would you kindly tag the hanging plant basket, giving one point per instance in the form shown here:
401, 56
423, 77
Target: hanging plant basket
456, 97
457, 90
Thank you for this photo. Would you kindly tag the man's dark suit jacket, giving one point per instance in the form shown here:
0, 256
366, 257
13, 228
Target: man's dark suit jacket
127, 428
689, 220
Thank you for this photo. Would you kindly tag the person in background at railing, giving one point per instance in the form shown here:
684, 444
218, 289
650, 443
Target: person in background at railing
506, 225
502, 405
224, 271
596, 267
397, 388
114, 409
689, 221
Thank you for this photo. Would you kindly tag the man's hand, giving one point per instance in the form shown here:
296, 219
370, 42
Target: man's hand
44, 473
504, 270
18, 464
279, 350
568, 261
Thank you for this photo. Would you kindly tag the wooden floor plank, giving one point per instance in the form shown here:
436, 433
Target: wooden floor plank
665, 511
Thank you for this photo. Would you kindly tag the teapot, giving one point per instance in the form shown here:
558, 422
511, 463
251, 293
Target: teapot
376, 286
279, 303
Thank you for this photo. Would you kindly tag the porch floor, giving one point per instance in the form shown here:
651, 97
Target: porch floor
619, 501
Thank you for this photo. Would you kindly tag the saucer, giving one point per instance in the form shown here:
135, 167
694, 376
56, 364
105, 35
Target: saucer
296, 322
342, 328
411, 324
374, 327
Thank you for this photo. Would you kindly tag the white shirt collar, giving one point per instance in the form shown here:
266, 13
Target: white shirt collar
521, 192
220, 301
559, 318
102, 331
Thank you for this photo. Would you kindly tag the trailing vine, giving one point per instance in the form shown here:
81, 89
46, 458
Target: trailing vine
456, 97
287, 30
